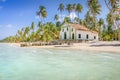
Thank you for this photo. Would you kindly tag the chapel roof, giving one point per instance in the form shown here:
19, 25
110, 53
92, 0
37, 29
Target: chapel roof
81, 27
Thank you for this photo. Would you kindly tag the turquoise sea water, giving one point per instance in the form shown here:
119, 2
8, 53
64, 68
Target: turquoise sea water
49, 64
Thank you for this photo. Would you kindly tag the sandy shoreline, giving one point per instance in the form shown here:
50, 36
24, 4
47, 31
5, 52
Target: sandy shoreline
112, 46
102, 46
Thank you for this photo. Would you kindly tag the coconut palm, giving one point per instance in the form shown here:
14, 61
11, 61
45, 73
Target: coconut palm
39, 12
61, 8
88, 21
109, 19
94, 8
26, 33
112, 4
42, 13
69, 8
79, 21
39, 25
101, 23
79, 9
74, 7
27, 30
19, 33
32, 27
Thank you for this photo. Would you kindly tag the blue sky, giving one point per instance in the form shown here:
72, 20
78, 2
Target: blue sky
15, 14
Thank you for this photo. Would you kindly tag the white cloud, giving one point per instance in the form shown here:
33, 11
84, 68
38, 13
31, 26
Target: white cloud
73, 15
9, 25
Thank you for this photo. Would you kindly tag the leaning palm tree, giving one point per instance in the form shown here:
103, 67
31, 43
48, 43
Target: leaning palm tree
26, 33
94, 8
42, 13
32, 26
39, 25
27, 30
79, 9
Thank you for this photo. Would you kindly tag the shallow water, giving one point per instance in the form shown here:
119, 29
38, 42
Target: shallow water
49, 64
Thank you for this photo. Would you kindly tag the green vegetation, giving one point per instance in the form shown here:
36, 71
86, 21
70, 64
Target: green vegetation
48, 31
44, 32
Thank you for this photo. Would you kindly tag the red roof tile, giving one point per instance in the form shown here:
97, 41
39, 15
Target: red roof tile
81, 27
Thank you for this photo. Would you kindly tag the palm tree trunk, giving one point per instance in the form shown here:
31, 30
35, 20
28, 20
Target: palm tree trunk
61, 14
78, 15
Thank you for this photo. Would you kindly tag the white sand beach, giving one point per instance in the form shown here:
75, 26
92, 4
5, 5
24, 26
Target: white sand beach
107, 46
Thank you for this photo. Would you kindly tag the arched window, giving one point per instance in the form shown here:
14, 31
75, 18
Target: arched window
65, 35
72, 35
87, 36
94, 37
79, 35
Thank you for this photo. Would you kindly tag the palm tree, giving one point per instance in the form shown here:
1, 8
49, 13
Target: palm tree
39, 25
110, 19
79, 9
39, 12
32, 26
69, 8
111, 3
61, 8
19, 33
67, 20
23, 31
79, 21
113, 6
94, 8
26, 33
27, 30
88, 21
101, 23
42, 13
